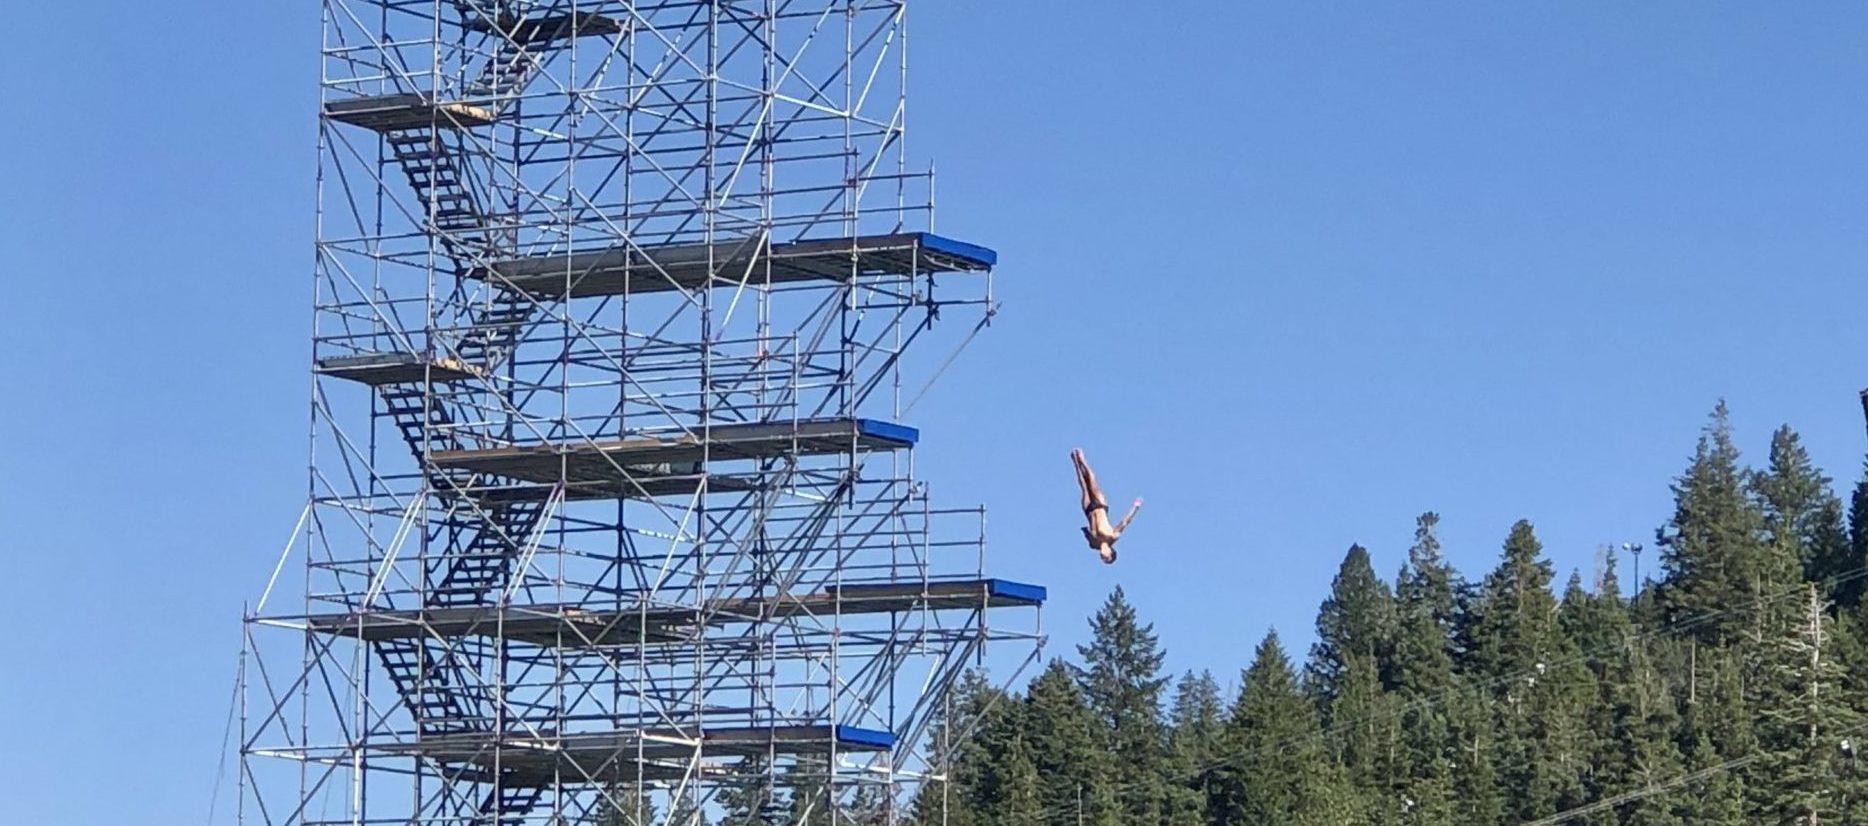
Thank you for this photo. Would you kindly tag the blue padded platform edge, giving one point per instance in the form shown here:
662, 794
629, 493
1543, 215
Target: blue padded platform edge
959, 249
1017, 590
865, 737
888, 430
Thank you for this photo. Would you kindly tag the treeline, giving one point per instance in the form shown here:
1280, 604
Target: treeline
1729, 690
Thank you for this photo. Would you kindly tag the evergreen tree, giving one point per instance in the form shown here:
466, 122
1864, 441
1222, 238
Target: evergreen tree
1365, 728
1061, 734
996, 772
683, 810
1562, 694
809, 797
1713, 547
1850, 644
1465, 627
1639, 747
1427, 613
927, 805
959, 756
1851, 655
1536, 679
1631, 718
1798, 538
1355, 630
1000, 778
1355, 621
623, 804
1099, 806
1197, 719
1478, 797
1279, 771
1426, 610
1442, 702
1017, 802
1715, 730
753, 799
1513, 619
1122, 682
1596, 622
1805, 730
1594, 631
869, 806
1849, 591
1802, 518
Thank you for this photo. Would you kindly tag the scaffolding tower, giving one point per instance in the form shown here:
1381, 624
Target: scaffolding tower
612, 514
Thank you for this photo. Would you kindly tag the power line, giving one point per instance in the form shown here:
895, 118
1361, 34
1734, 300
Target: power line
1433, 701
1648, 791
1666, 785
1690, 777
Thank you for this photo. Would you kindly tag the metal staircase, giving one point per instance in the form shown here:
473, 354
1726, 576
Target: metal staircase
521, 40
508, 805
473, 551
483, 565
428, 162
495, 329
505, 72
430, 684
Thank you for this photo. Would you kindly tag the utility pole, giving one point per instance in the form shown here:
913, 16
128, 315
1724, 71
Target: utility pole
1816, 655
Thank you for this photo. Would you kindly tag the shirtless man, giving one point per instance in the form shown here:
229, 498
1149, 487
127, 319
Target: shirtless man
1100, 534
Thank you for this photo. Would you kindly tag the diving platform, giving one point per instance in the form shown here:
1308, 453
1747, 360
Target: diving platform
610, 462
568, 626
378, 369
410, 110
523, 759
651, 269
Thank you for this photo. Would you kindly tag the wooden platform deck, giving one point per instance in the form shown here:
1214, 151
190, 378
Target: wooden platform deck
377, 369
404, 111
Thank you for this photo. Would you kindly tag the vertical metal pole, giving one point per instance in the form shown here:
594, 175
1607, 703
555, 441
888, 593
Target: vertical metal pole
246, 640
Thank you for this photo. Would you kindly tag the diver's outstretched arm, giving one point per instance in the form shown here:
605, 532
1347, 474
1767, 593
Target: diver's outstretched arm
1124, 524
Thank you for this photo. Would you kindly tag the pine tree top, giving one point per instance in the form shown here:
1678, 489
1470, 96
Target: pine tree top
1355, 622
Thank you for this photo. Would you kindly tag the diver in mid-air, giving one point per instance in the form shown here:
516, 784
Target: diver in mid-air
1100, 534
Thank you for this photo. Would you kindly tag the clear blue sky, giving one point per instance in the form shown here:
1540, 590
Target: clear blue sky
1294, 272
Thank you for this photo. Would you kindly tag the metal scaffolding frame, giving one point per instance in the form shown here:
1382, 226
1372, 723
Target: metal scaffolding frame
611, 511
